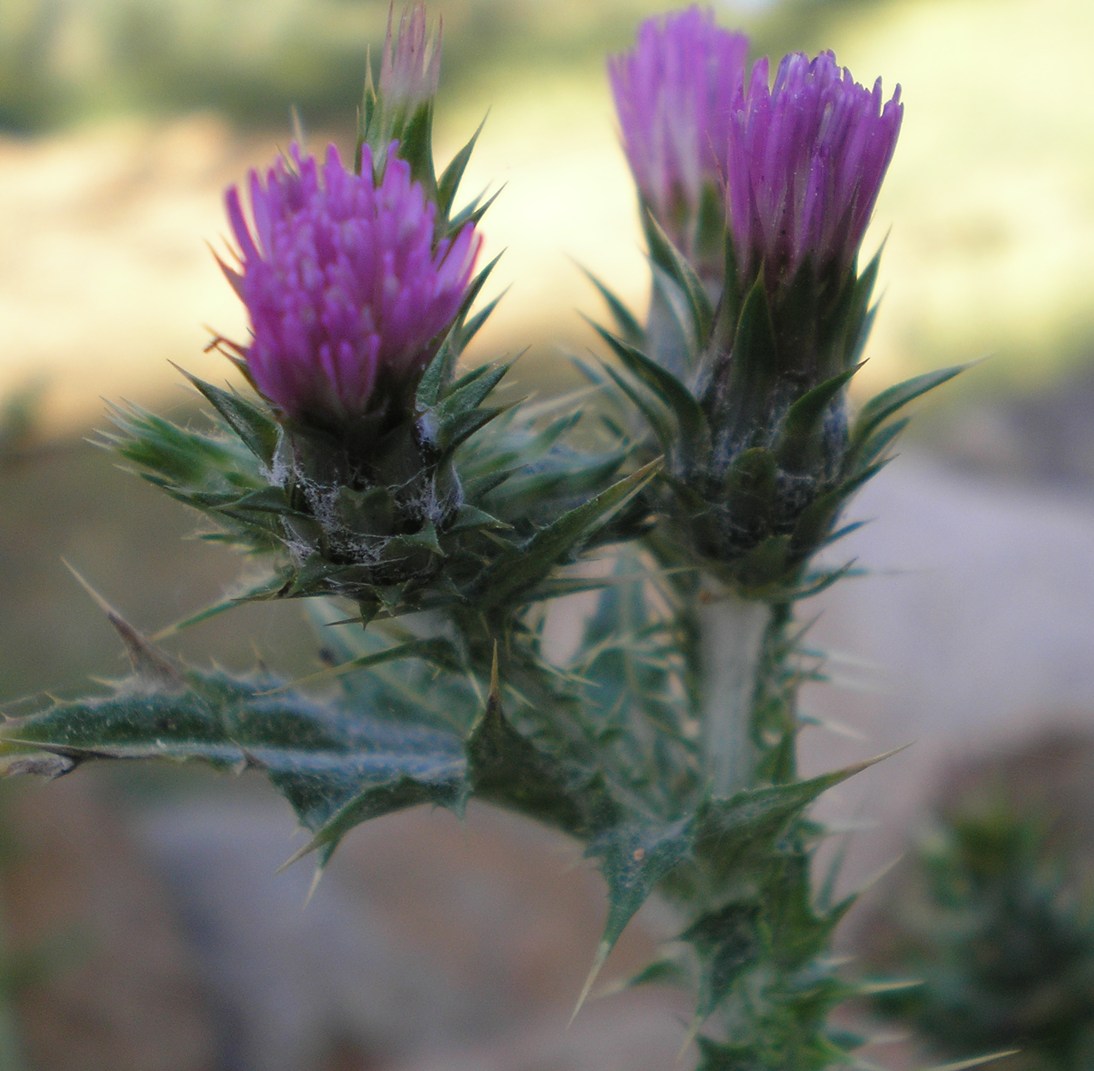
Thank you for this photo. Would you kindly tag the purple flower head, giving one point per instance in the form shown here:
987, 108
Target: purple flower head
675, 94
411, 64
805, 163
346, 289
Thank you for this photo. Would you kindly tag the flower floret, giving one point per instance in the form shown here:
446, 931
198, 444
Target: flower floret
345, 286
675, 94
411, 63
805, 163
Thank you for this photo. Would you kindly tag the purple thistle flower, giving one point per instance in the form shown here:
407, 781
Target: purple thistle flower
411, 64
675, 94
805, 163
346, 289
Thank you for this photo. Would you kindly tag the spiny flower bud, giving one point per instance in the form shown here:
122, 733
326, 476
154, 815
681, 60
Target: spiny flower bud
758, 314
805, 162
675, 94
411, 64
346, 289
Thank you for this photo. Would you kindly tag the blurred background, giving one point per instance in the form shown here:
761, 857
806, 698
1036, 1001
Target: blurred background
121, 124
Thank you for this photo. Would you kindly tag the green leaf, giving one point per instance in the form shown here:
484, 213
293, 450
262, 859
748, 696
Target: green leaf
628, 327
801, 437
729, 943
526, 566
663, 384
507, 768
732, 833
440, 370
755, 335
814, 526
451, 176
458, 415
880, 408
182, 459
667, 257
716, 1056
255, 428
336, 764
653, 411
415, 136
634, 859
632, 674
874, 448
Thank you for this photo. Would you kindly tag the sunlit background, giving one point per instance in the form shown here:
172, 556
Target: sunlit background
122, 122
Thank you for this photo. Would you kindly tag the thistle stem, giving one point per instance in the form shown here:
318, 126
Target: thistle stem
731, 648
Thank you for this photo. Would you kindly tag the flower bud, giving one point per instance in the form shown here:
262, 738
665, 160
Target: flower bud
411, 64
348, 293
674, 95
399, 108
758, 313
805, 162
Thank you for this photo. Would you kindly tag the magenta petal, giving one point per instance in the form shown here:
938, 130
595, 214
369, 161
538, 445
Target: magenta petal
675, 95
344, 285
806, 161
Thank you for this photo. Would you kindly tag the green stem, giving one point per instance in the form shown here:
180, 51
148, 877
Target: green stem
733, 632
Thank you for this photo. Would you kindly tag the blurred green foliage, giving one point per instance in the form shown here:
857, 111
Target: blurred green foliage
63, 61
66, 60
997, 924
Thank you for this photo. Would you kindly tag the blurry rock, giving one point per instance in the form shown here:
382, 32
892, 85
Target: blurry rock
971, 627
114, 985
424, 933
292, 980
637, 1031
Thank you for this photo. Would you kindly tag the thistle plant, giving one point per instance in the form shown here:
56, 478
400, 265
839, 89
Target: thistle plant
430, 517
996, 920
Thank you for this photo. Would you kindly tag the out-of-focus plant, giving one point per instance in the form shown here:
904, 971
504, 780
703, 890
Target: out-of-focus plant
20, 417
430, 516
995, 920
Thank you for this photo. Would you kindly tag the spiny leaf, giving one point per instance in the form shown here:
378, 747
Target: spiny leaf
509, 769
331, 797
255, 428
178, 456
748, 823
633, 859
800, 437
336, 767
875, 447
439, 371
728, 942
416, 146
435, 651
460, 406
669, 258
976, 1061
256, 590
628, 327
656, 415
664, 385
716, 1056
889, 401
754, 350
450, 178
152, 667
561, 540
